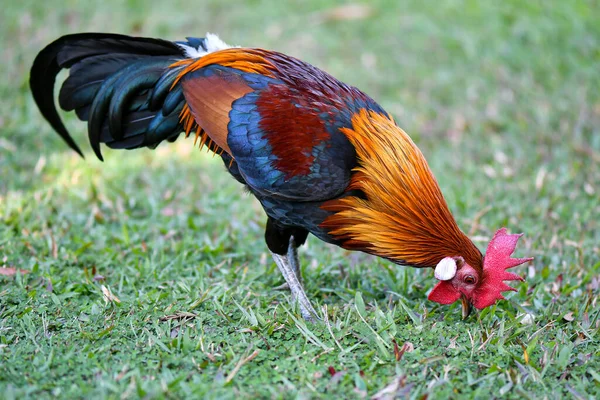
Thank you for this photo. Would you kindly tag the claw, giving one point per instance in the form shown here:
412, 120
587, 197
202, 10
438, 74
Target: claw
282, 287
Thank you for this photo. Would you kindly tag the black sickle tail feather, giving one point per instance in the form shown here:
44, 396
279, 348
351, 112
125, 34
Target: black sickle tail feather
120, 84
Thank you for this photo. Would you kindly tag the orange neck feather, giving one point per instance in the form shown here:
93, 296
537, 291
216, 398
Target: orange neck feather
404, 216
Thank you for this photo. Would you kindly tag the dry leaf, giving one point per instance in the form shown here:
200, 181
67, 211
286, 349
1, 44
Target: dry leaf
180, 315
240, 364
108, 296
399, 352
348, 12
5, 144
168, 211
452, 344
396, 389
539, 179
527, 318
11, 271
569, 317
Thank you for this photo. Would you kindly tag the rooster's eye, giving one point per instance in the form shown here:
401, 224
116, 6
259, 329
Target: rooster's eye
470, 279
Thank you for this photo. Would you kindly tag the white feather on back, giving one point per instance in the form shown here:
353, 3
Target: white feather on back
213, 43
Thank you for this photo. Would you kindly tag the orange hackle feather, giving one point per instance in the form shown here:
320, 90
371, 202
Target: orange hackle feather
404, 216
246, 60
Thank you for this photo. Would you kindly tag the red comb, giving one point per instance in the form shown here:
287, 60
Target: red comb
497, 260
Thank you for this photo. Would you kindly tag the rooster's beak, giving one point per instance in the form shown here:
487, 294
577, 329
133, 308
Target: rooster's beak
466, 307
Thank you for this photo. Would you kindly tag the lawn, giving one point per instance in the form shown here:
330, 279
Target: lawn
147, 276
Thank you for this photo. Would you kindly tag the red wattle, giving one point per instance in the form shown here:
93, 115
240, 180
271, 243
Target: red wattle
444, 293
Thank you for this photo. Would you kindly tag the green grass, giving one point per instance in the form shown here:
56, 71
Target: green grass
502, 97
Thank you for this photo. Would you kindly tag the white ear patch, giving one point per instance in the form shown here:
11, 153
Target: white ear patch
446, 269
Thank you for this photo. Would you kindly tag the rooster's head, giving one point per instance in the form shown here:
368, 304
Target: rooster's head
461, 281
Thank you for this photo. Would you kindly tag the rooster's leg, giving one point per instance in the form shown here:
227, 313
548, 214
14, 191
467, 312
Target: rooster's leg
283, 241
292, 256
286, 266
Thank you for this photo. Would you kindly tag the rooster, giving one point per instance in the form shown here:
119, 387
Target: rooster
320, 156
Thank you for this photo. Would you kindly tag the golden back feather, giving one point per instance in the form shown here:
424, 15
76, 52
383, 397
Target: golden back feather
247, 60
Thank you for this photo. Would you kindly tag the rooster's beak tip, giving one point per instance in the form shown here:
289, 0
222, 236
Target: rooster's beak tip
466, 307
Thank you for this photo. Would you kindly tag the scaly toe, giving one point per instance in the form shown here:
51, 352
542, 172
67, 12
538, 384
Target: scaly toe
283, 286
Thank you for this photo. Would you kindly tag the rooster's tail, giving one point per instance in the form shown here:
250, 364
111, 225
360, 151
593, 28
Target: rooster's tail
121, 85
